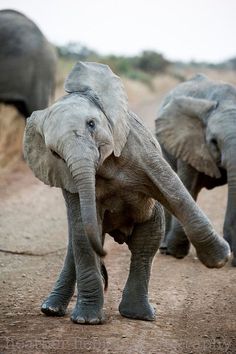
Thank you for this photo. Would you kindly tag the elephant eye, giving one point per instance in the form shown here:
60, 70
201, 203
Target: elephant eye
91, 124
214, 142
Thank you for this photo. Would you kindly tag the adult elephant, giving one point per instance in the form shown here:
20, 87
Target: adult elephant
27, 63
112, 174
196, 126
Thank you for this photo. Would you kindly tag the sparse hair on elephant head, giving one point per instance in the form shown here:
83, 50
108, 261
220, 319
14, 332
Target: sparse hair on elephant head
95, 113
99, 84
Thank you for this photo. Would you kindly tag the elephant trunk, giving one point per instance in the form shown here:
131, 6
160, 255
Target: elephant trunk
230, 216
83, 173
170, 191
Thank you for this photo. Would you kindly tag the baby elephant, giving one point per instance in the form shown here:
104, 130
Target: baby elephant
113, 177
196, 126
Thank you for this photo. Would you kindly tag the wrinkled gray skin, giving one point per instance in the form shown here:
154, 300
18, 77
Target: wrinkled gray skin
27, 64
112, 174
196, 127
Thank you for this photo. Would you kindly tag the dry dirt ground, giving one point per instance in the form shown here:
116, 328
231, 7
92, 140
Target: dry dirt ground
196, 306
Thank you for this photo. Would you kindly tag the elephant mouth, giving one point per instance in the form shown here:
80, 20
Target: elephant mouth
55, 154
219, 162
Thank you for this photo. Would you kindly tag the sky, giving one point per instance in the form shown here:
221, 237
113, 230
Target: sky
200, 30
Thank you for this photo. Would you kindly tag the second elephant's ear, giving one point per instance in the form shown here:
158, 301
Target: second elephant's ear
100, 84
180, 129
47, 167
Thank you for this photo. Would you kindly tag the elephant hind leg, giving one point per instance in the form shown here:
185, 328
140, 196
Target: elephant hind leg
175, 242
143, 244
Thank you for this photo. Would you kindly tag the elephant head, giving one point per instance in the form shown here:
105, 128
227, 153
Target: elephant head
74, 136
202, 132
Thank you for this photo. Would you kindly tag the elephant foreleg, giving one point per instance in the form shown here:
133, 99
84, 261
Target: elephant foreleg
176, 242
143, 244
58, 300
89, 275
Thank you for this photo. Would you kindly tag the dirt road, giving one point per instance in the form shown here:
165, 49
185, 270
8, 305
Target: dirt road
196, 306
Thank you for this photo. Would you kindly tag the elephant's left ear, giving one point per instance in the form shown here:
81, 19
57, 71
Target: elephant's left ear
50, 169
104, 88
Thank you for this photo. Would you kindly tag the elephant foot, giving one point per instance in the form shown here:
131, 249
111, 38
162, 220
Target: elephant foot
175, 249
163, 247
214, 255
140, 310
53, 306
84, 314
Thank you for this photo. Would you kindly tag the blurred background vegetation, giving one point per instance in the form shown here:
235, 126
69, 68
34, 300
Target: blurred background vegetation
140, 67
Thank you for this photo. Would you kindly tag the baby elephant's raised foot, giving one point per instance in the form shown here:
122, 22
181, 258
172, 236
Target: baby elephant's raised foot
137, 310
83, 314
214, 255
53, 307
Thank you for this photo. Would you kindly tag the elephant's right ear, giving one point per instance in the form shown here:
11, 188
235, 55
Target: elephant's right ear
180, 129
98, 82
48, 168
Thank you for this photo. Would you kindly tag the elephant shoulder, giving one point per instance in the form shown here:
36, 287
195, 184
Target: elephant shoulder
141, 134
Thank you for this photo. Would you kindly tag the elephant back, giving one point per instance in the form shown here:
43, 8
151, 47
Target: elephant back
27, 62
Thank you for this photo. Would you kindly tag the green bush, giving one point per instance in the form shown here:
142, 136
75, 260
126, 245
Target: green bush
151, 62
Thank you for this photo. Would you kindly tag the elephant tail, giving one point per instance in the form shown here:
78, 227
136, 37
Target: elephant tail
104, 275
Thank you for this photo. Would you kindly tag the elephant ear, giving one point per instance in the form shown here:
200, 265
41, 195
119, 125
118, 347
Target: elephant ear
47, 167
105, 89
180, 128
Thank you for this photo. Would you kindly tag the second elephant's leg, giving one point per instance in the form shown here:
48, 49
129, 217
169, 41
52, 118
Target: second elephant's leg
168, 222
143, 244
176, 242
59, 298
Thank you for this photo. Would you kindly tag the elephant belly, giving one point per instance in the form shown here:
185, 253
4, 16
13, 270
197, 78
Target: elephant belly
122, 213
118, 226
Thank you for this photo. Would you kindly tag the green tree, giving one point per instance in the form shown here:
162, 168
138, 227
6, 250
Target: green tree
151, 61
